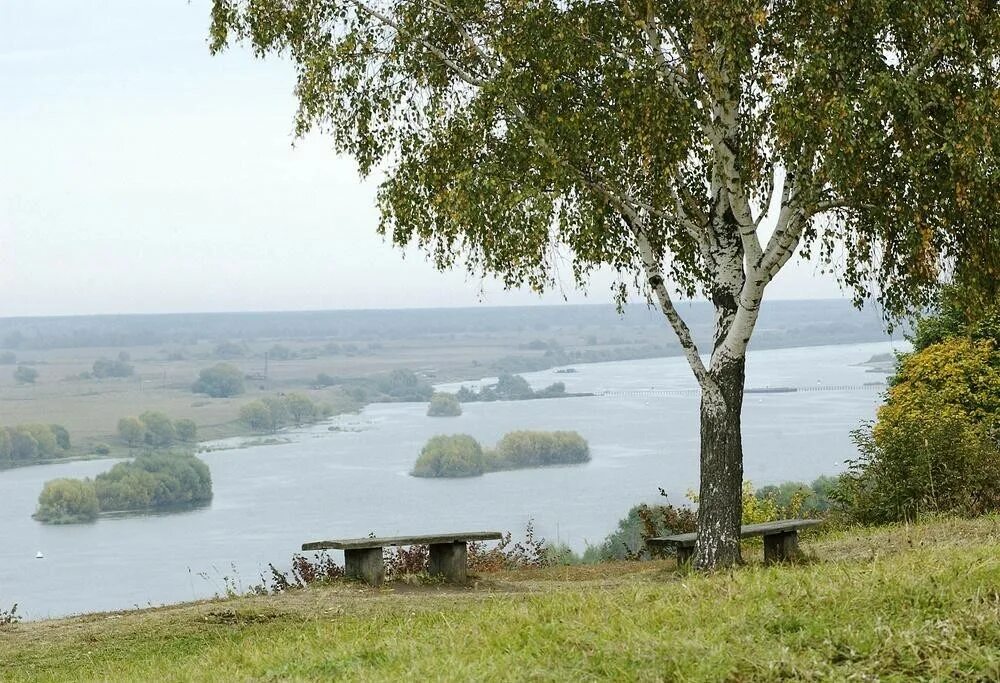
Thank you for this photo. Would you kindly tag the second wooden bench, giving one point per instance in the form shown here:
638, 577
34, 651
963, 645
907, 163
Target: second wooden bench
781, 539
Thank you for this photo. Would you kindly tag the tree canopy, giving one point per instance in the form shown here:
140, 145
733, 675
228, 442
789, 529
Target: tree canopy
621, 129
219, 381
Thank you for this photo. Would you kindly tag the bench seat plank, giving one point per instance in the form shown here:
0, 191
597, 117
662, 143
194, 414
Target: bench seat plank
782, 526
384, 541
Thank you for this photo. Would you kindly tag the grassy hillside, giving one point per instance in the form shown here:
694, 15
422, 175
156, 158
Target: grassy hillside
903, 603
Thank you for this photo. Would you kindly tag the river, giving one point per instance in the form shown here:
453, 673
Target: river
328, 484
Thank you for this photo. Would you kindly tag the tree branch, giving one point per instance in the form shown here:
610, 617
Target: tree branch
654, 277
457, 69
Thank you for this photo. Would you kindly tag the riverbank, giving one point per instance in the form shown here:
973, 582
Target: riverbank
917, 602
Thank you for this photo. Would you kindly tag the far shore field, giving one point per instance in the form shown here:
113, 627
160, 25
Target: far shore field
438, 345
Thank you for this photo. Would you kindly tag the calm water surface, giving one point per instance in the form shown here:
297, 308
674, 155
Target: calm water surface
269, 499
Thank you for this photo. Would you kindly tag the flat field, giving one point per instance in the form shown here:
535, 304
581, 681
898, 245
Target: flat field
168, 351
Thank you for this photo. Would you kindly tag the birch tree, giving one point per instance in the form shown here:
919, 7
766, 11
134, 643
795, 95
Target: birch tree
691, 147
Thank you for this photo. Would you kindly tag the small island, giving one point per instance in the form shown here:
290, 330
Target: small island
460, 455
152, 481
444, 405
513, 388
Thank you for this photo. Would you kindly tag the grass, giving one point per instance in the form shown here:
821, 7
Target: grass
896, 604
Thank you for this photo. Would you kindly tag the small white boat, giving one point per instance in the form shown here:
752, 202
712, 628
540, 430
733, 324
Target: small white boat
38, 555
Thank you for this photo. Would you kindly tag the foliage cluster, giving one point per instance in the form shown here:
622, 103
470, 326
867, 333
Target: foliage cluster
553, 358
154, 429
398, 386
9, 617
443, 404
219, 381
67, 501
935, 446
303, 572
229, 349
150, 481
28, 443
24, 374
272, 413
106, 367
510, 388
521, 449
953, 318
460, 455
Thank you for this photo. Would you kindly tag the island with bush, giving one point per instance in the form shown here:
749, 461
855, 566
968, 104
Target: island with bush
460, 455
513, 388
153, 481
444, 405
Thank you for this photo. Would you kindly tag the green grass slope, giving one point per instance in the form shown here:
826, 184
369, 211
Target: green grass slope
895, 604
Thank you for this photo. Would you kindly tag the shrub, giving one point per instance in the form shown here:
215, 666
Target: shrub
404, 385
279, 352
187, 430
159, 430
23, 446
102, 449
444, 405
62, 436
539, 449
554, 390
132, 431
303, 572
642, 522
25, 375
219, 381
513, 388
301, 408
104, 367
44, 439
450, 456
809, 499
507, 554
916, 463
229, 349
257, 416
154, 480
274, 412
67, 501
936, 444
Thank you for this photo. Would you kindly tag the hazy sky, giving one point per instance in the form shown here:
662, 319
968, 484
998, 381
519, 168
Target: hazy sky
140, 174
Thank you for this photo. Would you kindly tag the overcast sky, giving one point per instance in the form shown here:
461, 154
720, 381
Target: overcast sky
139, 174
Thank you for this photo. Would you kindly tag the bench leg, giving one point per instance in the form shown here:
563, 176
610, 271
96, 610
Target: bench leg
449, 560
684, 554
781, 547
365, 564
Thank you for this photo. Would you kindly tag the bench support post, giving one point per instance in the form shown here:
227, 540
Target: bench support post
449, 560
685, 553
781, 547
365, 564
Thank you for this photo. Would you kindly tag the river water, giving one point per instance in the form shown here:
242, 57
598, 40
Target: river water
329, 484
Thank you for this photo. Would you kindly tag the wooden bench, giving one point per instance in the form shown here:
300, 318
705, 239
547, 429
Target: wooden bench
781, 539
363, 556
